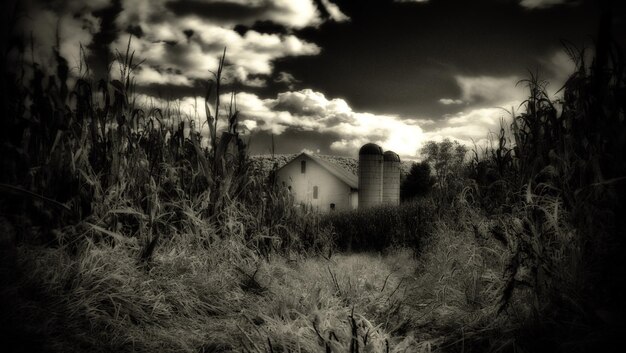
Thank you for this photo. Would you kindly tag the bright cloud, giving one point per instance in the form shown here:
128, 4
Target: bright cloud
488, 99
312, 111
334, 11
227, 13
489, 90
473, 125
534, 4
181, 47
308, 110
450, 101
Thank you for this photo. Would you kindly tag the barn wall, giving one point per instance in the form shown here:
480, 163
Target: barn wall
330, 188
354, 200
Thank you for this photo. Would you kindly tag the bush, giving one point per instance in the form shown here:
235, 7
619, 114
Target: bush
418, 182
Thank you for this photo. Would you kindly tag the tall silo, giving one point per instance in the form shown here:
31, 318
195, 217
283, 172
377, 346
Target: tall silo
370, 175
391, 178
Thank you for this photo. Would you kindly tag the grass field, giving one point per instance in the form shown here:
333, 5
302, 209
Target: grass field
226, 297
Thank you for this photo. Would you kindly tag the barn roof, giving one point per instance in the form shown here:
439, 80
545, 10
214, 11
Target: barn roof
343, 175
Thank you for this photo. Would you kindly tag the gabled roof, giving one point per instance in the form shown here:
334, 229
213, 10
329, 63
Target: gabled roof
343, 175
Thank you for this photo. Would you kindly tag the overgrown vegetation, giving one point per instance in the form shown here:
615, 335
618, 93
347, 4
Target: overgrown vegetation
556, 181
539, 211
418, 182
123, 199
373, 229
124, 230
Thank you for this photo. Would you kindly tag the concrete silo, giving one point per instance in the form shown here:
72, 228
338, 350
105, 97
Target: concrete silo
370, 175
391, 178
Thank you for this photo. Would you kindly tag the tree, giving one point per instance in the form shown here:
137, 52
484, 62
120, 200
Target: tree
418, 182
446, 158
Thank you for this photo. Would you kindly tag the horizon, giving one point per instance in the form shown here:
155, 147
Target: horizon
330, 75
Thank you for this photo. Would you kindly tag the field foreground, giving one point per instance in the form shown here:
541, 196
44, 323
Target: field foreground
227, 298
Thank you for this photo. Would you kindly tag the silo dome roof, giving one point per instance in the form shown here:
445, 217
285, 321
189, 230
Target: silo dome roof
370, 148
391, 156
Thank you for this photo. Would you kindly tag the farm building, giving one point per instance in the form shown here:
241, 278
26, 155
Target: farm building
326, 186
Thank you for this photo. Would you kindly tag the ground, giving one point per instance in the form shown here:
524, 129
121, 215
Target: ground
227, 298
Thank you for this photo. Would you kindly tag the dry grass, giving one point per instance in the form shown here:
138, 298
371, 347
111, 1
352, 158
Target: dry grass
191, 298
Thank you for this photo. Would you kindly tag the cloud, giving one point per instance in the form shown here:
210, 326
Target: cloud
539, 4
487, 100
310, 103
290, 13
472, 126
309, 151
450, 101
308, 110
489, 90
311, 111
150, 75
182, 47
175, 60
334, 12
287, 79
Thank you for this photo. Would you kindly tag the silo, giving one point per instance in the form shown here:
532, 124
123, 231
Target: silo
370, 175
391, 178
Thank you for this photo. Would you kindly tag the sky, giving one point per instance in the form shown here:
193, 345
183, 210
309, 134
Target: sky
327, 76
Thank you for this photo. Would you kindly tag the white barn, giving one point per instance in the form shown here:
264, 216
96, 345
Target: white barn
320, 184
324, 186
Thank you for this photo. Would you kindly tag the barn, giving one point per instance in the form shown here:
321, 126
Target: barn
325, 186
321, 184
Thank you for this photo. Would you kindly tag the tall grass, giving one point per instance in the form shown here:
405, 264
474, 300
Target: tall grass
374, 229
92, 154
121, 230
557, 181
